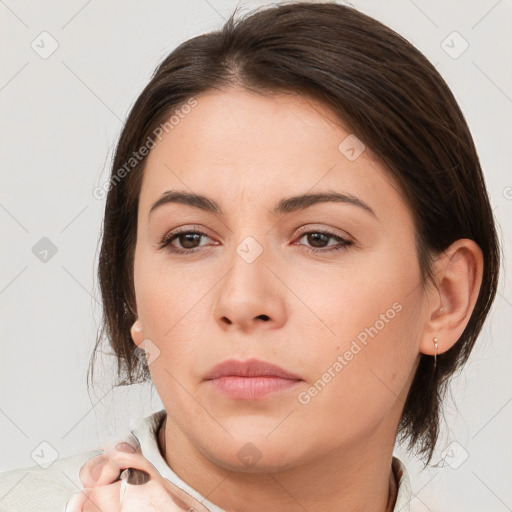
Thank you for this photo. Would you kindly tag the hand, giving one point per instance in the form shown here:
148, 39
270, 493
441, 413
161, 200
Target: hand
100, 477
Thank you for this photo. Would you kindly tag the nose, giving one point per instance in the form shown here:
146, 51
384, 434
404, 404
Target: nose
250, 295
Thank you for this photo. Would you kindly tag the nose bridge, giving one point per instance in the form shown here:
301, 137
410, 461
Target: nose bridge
249, 290
251, 243
248, 276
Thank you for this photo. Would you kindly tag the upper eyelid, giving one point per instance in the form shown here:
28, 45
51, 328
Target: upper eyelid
327, 230
303, 230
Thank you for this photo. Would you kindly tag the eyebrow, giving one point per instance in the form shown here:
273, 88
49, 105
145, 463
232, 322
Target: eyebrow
287, 205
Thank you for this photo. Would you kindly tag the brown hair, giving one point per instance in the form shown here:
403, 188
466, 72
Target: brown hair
393, 100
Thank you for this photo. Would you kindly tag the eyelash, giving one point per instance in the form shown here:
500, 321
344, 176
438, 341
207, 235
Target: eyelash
167, 239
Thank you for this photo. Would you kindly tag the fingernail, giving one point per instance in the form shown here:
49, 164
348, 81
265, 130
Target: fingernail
125, 447
97, 469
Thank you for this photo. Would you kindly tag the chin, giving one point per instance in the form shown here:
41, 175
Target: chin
250, 459
256, 452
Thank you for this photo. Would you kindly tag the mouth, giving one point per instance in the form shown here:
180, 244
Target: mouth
250, 380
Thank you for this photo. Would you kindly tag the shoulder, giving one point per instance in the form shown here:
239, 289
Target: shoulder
35, 488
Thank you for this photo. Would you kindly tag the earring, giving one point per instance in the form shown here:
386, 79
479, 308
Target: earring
435, 355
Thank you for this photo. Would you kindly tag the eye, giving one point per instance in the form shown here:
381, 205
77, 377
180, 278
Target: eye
188, 239
320, 240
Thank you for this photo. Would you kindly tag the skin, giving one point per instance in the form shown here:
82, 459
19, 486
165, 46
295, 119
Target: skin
247, 152
103, 491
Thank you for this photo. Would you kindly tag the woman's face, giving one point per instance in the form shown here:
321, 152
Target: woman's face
344, 322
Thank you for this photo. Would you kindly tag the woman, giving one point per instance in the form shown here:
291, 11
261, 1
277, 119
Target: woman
299, 252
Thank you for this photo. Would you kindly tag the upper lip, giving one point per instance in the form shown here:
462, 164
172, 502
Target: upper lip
248, 368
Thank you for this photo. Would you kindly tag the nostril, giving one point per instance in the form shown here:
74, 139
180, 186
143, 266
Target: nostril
264, 317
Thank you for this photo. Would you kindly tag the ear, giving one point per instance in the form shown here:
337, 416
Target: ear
458, 277
136, 332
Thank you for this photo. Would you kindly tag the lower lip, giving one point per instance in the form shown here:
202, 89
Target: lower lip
251, 388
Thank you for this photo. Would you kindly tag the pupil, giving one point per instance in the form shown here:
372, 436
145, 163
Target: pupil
189, 240
315, 238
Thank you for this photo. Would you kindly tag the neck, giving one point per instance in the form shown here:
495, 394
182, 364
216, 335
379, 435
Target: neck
353, 480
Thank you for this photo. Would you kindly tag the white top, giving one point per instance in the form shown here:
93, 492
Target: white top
35, 489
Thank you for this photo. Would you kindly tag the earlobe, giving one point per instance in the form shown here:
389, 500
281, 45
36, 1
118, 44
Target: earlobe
136, 332
451, 302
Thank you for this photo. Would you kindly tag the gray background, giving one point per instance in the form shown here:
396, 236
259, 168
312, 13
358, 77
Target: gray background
61, 116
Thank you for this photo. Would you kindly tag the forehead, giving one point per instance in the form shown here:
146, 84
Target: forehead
241, 143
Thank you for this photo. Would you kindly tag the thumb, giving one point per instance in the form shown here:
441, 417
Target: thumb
91, 470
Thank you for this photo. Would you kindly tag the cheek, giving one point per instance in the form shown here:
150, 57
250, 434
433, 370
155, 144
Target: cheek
357, 386
171, 307
166, 294
172, 316
366, 361
365, 301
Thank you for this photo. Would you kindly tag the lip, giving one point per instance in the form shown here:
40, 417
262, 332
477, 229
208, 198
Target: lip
251, 379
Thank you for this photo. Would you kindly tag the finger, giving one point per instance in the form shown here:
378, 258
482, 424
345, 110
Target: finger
106, 468
75, 504
128, 444
151, 497
91, 469
101, 499
138, 478
87, 501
